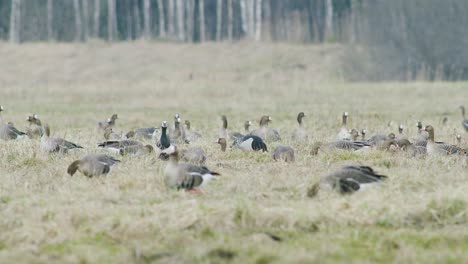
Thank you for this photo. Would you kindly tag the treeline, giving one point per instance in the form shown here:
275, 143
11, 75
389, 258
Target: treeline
176, 20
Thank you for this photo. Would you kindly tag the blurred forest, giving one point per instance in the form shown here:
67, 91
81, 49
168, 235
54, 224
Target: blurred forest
385, 40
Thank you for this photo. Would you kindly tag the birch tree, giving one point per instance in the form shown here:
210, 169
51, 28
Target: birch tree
85, 19
189, 22
15, 21
50, 19
243, 8
111, 20
180, 20
230, 20
96, 24
78, 24
162, 24
146, 19
170, 17
328, 19
258, 20
136, 15
219, 19
201, 7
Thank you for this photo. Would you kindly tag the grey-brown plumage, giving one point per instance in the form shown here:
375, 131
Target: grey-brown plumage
222, 142
143, 133
191, 135
379, 139
344, 134
109, 122
411, 149
265, 132
34, 129
8, 131
284, 153
92, 165
109, 134
51, 145
194, 155
238, 135
440, 148
136, 150
300, 134
350, 179
118, 146
176, 135
340, 144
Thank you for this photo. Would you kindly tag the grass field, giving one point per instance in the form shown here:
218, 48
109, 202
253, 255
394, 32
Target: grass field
419, 215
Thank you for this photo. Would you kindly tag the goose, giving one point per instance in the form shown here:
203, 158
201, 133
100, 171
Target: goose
164, 141
300, 134
411, 149
354, 134
34, 129
92, 165
191, 135
440, 148
265, 132
8, 131
223, 131
340, 144
51, 145
183, 175
143, 133
109, 122
284, 153
458, 140
400, 129
249, 143
350, 179
176, 135
119, 146
464, 119
422, 136
177, 119
237, 135
363, 134
387, 144
136, 150
222, 142
194, 155
109, 134
344, 132
379, 139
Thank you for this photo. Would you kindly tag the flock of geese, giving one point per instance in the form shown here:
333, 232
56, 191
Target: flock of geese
185, 169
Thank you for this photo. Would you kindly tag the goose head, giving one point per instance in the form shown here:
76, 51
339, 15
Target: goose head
247, 124
222, 142
176, 116
400, 129
164, 124
265, 120
459, 139
363, 133
1, 108
430, 130
187, 124
354, 134
419, 125
391, 136
345, 118
300, 116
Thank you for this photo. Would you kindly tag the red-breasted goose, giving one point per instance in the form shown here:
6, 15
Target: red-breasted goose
92, 165
344, 132
284, 153
464, 119
51, 145
440, 148
191, 135
250, 143
183, 175
265, 132
109, 122
300, 134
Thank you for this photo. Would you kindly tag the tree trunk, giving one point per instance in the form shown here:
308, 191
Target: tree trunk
180, 20
230, 20
128, 11
136, 14
85, 19
243, 8
15, 21
146, 18
78, 25
266, 28
258, 20
170, 17
50, 19
111, 20
328, 19
162, 24
190, 10
219, 19
97, 9
251, 17
201, 7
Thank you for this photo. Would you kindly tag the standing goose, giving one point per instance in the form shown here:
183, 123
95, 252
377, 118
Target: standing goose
464, 119
344, 132
34, 129
51, 145
177, 136
109, 122
109, 134
164, 141
92, 165
284, 153
353, 178
440, 148
222, 142
223, 131
237, 135
8, 131
177, 119
300, 134
249, 143
265, 132
191, 135
185, 176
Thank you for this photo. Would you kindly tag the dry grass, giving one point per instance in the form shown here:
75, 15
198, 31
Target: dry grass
419, 215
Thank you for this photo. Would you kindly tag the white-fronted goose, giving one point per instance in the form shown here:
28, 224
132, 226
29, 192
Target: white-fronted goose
177, 135
422, 135
170, 130
136, 150
350, 179
143, 133
164, 141
363, 134
464, 119
249, 143
223, 131
339, 144
109, 134
284, 153
222, 142
183, 175
300, 134
34, 129
51, 145
191, 135
411, 149
8, 131
109, 122
92, 165
378, 139
265, 132
237, 135
344, 132
194, 155
118, 146
354, 134
440, 148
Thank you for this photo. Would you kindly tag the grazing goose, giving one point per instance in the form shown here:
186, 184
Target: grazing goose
92, 165
344, 132
300, 134
379, 139
353, 178
119, 146
183, 175
51, 145
265, 132
8, 131
109, 134
34, 129
283, 153
194, 155
222, 142
143, 133
387, 144
164, 141
249, 143
109, 122
191, 135
136, 150
464, 119
411, 149
440, 148
340, 144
